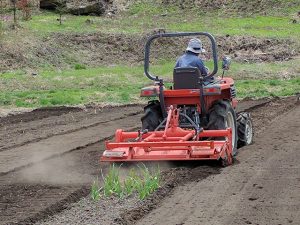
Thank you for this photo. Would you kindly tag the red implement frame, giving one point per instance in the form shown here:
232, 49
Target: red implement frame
174, 143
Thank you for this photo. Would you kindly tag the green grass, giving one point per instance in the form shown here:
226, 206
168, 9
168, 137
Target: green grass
259, 26
137, 21
122, 84
266, 88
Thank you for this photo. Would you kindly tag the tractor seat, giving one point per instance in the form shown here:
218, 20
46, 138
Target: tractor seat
186, 78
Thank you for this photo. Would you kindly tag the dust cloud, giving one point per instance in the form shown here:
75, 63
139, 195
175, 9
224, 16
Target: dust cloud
62, 170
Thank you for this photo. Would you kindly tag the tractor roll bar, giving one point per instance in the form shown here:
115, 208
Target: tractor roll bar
179, 34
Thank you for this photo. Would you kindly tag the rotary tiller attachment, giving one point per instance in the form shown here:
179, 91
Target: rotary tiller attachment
173, 143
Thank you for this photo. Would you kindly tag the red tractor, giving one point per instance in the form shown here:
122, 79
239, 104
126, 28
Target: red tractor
193, 120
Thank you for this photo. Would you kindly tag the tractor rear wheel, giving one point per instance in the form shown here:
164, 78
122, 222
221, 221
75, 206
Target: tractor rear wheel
222, 116
245, 129
152, 116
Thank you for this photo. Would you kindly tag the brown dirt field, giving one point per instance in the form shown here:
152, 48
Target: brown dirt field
263, 114
69, 143
42, 154
262, 188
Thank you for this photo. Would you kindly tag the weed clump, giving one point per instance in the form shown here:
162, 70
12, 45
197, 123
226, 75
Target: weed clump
140, 181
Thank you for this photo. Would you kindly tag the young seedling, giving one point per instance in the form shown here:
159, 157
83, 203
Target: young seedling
95, 191
112, 184
143, 183
149, 182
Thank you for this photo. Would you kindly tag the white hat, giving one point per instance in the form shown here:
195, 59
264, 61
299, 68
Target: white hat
195, 45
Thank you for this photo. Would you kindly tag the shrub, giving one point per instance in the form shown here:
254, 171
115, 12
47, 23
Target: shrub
79, 67
274, 82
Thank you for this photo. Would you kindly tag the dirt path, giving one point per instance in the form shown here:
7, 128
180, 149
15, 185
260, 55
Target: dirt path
53, 162
263, 188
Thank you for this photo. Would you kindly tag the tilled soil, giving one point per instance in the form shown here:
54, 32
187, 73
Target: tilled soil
263, 188
44, 123
49, 159
263, 114
35, 186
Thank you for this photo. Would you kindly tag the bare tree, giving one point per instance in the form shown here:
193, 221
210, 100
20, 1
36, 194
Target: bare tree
14, 4
61, 9
77, 5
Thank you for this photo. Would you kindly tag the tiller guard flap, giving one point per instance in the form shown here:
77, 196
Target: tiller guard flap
174, 143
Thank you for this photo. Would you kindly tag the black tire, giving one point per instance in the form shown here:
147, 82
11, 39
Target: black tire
219, 115
245, 129
152, 117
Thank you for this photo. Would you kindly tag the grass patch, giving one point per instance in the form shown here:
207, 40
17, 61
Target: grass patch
130, 94
141, 181
259, 26
142, 17
266, 88
122, 84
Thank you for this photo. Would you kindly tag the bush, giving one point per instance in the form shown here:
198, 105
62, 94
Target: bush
79, 67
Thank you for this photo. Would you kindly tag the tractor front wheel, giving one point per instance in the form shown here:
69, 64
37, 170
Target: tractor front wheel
152, 116
245, 129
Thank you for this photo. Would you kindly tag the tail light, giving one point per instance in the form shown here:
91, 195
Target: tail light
212, 90
149, 91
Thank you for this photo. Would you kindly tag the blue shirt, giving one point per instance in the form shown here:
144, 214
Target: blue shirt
190, 59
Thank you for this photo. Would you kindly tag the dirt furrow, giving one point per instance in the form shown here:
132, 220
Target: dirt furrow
129, 212
45, 188
60, 168
263, 113
22, 197
261, 189
73, 171
57, 145
15, 133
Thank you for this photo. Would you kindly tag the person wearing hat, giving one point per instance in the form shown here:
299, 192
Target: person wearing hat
191, 56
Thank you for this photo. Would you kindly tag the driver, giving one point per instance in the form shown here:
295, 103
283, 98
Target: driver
191, 56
